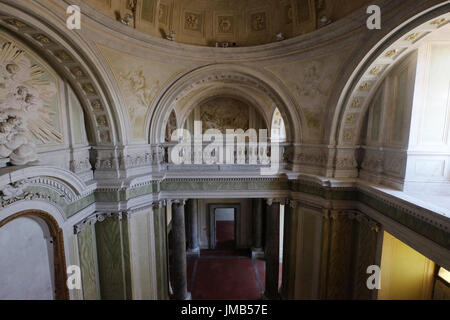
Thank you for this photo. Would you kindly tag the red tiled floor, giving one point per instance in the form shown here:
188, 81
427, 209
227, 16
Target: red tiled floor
225, 278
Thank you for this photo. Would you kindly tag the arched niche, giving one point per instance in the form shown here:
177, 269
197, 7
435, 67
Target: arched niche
75, 62
37, 246
226, 111
223, 80
405, 135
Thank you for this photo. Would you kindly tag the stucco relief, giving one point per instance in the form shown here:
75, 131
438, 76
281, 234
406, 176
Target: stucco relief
224, 113
226, 24
29, 113
193, 21
310, 81
139, 81
259, 21
136, 88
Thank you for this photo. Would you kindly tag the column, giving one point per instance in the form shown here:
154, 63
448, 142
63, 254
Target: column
289, 248
161, 250
257, 216
179, 252
272, 249
192, 228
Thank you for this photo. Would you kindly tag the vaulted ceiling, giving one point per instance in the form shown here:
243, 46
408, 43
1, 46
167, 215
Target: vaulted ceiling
243, 22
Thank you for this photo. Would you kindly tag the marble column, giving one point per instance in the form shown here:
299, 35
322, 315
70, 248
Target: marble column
257, 219
192, 228
272, 249
179, 252
289, 241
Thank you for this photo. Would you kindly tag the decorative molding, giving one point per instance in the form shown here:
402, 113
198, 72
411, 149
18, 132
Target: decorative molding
26, 196
98, 217
271, 201
14, 190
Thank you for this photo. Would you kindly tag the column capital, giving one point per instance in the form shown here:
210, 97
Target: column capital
177, 201
271, 201
292, 203
97, 217
159, 204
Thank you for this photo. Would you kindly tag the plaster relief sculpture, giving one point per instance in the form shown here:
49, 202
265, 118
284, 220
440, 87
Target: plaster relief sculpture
193, 21
135, 86
13, 142
224, 113
310, 81
13, 190
226, 24
258, 21
24, 112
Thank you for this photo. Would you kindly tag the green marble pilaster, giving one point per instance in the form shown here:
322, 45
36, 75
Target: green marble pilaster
86, 249
113, 259
161, 252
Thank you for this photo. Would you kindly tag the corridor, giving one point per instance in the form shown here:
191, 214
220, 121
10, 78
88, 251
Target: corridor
225, 273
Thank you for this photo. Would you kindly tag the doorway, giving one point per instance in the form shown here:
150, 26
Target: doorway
224, 226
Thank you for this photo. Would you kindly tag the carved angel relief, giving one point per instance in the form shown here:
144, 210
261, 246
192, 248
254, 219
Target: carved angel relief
24, 112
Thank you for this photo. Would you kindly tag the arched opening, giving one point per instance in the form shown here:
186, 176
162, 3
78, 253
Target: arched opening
238, 82
33, 260
278, 128
373, 68
172, 125
405, 134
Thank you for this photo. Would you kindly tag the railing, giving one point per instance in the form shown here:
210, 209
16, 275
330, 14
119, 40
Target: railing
225, 154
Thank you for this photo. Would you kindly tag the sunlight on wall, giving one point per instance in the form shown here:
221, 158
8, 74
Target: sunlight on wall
444, 274
278, 132
405, 273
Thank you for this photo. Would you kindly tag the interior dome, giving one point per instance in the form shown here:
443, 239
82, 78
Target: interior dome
226, 22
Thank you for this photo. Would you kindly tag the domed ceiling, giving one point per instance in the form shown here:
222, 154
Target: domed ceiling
236, 22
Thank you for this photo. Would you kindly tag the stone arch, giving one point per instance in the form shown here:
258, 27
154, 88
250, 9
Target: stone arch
49, 224
242, 79
72, 58
372, 70
59, 188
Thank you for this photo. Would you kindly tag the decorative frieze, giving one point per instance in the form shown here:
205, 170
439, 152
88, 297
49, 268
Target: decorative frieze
97, 217
26, 196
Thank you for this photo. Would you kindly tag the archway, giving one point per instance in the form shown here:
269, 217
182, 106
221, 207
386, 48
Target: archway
352, 105
53, 240
215, 80
72, 58
366, 79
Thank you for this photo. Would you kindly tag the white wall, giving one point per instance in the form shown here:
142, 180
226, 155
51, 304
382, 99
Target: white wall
26, 261
428, 168
224, 214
